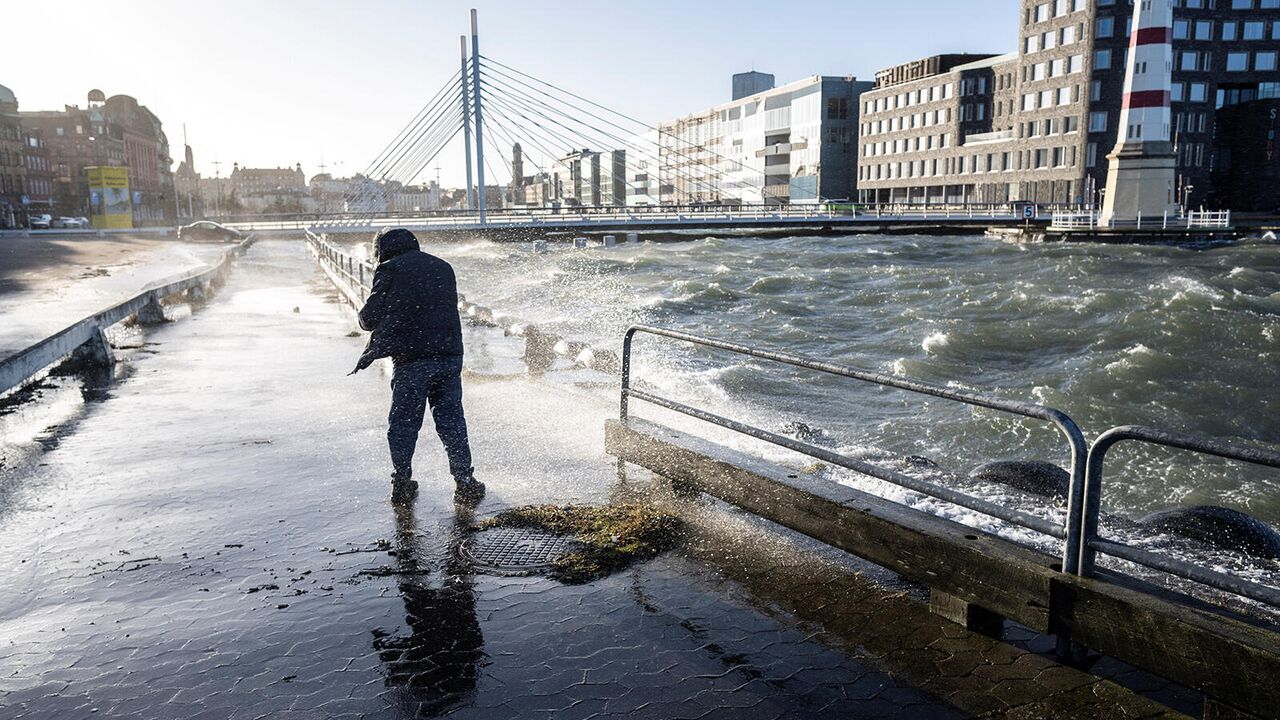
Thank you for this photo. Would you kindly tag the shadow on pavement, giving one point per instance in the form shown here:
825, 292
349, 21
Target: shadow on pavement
436, 666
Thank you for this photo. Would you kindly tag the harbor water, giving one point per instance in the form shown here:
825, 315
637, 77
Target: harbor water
1180, 338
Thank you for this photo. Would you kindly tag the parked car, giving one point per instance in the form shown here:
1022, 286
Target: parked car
70, 223
40, 222
208, 231
84, 222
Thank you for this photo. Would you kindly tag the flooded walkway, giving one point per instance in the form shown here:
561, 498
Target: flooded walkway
215, 540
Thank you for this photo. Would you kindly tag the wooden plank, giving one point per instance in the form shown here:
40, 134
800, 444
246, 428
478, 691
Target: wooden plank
1226, 658
964, 562
1238, 663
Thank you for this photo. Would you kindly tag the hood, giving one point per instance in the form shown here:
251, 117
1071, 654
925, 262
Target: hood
392, 242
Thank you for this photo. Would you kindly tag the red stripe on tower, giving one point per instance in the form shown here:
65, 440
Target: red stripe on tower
1146, 99
1151, 36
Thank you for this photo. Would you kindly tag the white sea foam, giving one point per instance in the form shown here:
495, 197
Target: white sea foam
936, 340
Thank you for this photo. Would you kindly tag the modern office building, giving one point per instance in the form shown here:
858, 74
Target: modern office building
794, 143
1052, 109
591, 178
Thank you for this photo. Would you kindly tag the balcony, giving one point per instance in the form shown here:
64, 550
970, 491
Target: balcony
987, 137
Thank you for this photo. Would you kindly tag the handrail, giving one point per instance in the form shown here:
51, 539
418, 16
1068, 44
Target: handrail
20, 367
1069, 532
1091, 542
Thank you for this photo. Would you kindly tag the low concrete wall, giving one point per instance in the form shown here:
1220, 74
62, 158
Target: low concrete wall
20, 367
1235, 663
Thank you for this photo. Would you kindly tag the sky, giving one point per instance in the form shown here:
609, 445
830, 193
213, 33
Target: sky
275, 83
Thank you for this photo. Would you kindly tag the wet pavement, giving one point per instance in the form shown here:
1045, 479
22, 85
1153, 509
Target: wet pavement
215, 540
49, 282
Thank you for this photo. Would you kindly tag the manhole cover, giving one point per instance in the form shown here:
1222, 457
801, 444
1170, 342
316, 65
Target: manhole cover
516, 551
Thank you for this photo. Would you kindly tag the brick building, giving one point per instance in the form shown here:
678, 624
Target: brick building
1053, 106
13, 171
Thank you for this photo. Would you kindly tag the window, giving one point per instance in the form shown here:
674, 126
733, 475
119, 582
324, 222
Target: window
1104, 28
1064, 96
1204, 29
1102, 60
1228, 31
1181, 29
1069, 34
1042, 12
1095, 91
1075, 63
1199, 92
1177, 91
1033, 44
1264, 61
1028, 102
1097, 122
1041, 158
1037, 71
1091, 154
1237, 61
1254, 30
1241, 4
1070, 124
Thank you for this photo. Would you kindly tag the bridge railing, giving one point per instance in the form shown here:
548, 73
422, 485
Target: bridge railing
89, 333
642, 216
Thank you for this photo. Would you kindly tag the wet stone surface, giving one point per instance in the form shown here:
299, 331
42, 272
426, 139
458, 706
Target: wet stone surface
216, 541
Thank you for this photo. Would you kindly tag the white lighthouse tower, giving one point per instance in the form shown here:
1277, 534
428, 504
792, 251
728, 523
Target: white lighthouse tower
1141, 172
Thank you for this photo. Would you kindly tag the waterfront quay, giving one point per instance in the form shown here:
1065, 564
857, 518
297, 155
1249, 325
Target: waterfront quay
211, 536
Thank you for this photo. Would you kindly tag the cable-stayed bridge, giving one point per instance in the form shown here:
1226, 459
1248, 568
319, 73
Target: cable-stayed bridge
563, 162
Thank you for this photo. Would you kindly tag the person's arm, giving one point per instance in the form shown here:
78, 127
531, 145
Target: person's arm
375, 306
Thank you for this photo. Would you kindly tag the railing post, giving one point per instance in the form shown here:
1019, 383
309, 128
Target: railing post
626, 374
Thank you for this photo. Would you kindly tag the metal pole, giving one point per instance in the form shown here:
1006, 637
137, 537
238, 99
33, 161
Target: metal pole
466, 123
475, 84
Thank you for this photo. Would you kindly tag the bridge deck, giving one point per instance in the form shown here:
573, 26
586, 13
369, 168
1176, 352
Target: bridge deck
214, 540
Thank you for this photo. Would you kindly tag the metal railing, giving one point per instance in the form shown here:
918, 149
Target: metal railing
1191, 220
642, 216
1209, 219
1068, 532
1080, 536
1092, 543
1073, 221
20, 367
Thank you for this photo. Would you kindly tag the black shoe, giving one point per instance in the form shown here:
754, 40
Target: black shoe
470, 491
403, 491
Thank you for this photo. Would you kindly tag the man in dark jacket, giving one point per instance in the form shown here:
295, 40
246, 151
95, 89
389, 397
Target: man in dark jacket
412, 317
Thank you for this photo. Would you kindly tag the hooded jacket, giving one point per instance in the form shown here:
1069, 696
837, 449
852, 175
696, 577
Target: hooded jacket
412, 311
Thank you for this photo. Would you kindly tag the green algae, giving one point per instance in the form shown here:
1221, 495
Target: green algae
610, 538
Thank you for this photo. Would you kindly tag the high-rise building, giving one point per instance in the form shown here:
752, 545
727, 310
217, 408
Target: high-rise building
1054, 109
794, 143
750, 83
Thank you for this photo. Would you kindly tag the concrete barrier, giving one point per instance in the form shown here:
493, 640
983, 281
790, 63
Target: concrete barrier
20, 367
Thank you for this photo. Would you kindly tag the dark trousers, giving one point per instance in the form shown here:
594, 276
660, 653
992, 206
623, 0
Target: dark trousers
437, 382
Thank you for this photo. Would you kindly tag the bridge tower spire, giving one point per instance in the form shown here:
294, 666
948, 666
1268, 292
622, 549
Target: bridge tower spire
466, 124
1141, 172
475, 84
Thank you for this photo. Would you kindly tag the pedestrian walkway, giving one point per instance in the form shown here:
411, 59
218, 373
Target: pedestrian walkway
216, 541
48, 283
